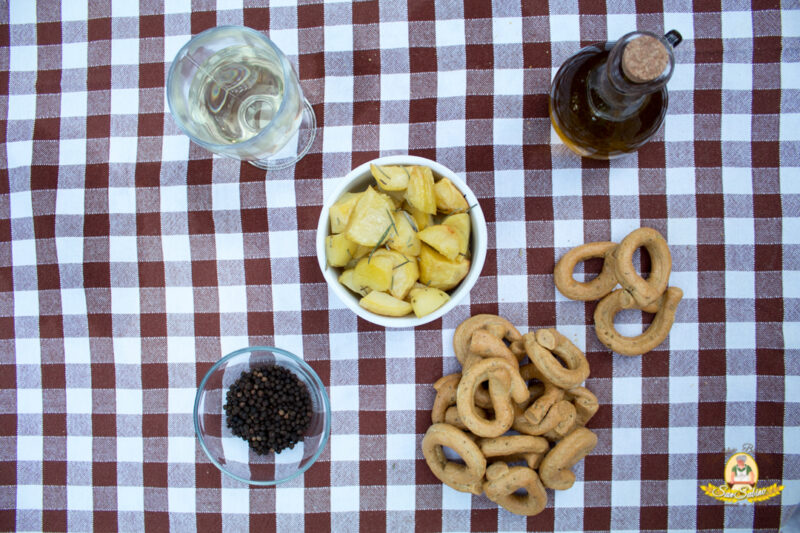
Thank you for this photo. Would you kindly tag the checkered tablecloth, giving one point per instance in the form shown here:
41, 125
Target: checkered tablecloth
131, 260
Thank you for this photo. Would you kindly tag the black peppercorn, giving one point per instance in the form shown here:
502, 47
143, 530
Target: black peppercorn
269, 407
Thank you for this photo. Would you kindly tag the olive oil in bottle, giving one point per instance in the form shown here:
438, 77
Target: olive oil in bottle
609, 99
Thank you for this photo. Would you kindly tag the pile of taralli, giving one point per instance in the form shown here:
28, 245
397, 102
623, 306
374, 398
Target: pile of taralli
651, 295
512, 435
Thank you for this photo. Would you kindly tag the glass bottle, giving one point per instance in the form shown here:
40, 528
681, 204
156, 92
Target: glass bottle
609, 99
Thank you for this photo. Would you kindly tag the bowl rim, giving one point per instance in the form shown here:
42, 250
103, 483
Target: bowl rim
302, 364
466, 285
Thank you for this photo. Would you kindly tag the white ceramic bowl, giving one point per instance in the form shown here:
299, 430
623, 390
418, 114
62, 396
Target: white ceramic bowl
356, 181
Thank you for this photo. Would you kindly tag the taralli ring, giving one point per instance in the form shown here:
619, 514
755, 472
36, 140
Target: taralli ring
503, 482
462, 477
512, 445
585, 402
555, 469
577, 369
590, 290
653, 336
506, 386
496, 325
485, 344
644, 292
446, 387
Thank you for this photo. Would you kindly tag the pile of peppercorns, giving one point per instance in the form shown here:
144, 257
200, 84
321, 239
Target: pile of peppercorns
269, 407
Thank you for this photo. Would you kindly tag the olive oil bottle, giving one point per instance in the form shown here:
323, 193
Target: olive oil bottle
609, 99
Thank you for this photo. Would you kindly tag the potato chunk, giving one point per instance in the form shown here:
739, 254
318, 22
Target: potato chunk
371, 219
463, 224
448, 198
341, 210
385, 304
420, 190
346, 279
444, 239
339, 249
435, 270
405, 240
426, 301
390, 177
375, 273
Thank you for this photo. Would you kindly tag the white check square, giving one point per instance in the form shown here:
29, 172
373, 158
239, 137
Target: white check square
80, 498
791, 440
69, 201
124, 8
173, 198
79, 401
401, 497
181, 499
23, 253
122, 249
737, 180
565, 28
125, 102
509, 81
790, 23
740, 335
179, 299
280, 193
450, 32
739, 231
623, 181
21, 107
21, 205
682, 77
399, 344
121, 149
509, 184
450, 133
344, 447
230, 246
567, 233
681, 492
740, 284
130, 498
180, 349
344, 397
225, 197
291, 500
401, 447
23, 58
626, 441
737, 24
180, 400
180, 450
337, 139
125, 51
79, 447
344, 499
790, 126
396, 86
451, 83
175, 148
285, 39
790, 75
19, 153
232, 299
72, 152
791, 284
236, 500
455, 500
125, 300
740, 388
129, 401
510, 288
736, 127
127, 350
339, 38
679, 128
510, 236
684, 336
682, 231
74, 11
22, 12
121, 200
626, 493
286, 297
343, 345
77, 350
28, 351
394, 136
401, 397
26, 303
176, 247
30, 448
572, 497
506, 30
627, 390
338, 89
283, 244
791, 230
567, 182
737, 77
508, 131
30, 496
619, 24
393, 35
683, 440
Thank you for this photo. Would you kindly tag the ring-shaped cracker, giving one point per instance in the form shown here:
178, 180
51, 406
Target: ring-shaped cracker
484, 344
465, 477
577, 369
496, 325
643, 291
585, 402
504, 481
506, 387
555, 469
654, 335
446, 387
589, 290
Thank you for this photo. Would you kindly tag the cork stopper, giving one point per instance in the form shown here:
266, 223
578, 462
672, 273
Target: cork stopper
644, 59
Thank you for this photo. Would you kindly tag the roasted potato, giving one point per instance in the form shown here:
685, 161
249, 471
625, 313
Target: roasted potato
405, 240
385, 304
374, 273
435, 270
341, 210
371, 220
427, 300
339, 249
444, 239
346, 279
390, 178
419, 193
448, 198
462, 223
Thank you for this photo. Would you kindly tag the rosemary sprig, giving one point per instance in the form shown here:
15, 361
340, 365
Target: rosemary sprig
391, 219
401, 264
380, 242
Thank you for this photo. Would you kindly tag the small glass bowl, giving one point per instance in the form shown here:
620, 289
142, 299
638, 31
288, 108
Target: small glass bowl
231, 454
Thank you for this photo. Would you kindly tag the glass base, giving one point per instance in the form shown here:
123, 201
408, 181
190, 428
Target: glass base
298, 145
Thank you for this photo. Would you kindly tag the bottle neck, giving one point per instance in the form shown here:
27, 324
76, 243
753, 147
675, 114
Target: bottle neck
612, 94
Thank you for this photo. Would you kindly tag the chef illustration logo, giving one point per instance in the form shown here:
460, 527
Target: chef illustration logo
741, 482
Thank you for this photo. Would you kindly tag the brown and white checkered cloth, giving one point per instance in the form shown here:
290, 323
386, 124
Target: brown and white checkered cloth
131, 260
